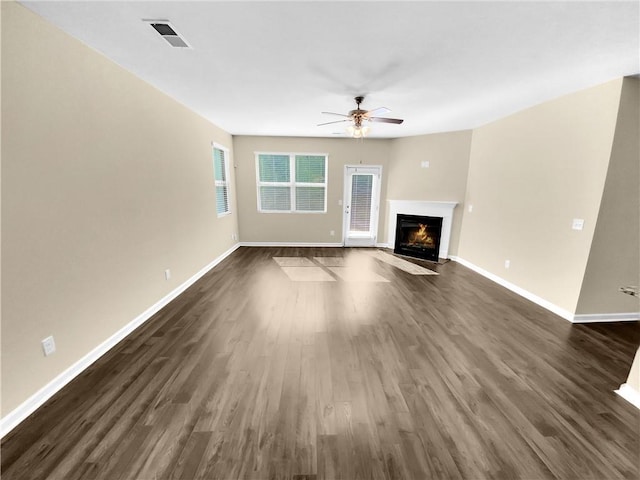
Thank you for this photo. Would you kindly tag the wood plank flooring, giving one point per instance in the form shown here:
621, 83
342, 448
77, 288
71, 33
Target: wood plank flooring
248, 375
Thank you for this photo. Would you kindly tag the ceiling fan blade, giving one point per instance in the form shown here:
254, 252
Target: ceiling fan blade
337, 121
377, 111
339, 114
385, 120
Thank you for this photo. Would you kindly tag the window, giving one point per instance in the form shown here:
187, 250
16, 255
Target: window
221, 176
289, 182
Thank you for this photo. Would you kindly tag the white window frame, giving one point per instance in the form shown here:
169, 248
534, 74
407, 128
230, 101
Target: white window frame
292, 184
222, 183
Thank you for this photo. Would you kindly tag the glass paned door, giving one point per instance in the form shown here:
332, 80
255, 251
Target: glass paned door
361, 185
361, 205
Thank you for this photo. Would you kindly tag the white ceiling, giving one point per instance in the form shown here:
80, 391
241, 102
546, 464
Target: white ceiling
270, 68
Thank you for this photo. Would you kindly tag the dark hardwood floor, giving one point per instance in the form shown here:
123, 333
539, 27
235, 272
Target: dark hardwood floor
249, 375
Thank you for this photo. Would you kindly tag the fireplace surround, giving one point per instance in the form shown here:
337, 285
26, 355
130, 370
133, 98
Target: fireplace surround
425, 208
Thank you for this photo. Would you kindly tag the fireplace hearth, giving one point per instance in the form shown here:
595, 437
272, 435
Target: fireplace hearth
418, 236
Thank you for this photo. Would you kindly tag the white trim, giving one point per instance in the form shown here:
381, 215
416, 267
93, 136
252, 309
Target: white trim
383, 245
630, 394
220, 146
26, 408
222, 183
369, 239
289, 244
292, 183
269, 152
514, 288
573, 318
606, 317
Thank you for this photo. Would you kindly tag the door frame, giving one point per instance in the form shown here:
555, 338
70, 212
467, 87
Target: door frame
346, 200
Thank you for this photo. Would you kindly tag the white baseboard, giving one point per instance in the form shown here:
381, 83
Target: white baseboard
561, 312
289, 244
567, 315
630, 394
606, 317
13, 418
302, 244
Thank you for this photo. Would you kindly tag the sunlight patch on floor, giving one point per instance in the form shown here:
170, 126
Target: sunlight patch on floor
349, 274
307, 274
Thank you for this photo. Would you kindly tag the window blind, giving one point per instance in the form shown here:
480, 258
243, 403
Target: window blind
291, 182
310, 169
275, 198
221, 174
274, 168
361, 190
310, 199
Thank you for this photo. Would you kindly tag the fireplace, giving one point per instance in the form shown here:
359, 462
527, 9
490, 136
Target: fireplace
426, 208
418, 236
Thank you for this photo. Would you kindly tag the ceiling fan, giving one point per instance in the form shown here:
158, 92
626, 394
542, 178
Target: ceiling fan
358, 116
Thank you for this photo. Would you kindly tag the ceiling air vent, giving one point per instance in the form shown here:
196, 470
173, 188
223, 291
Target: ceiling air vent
168, 32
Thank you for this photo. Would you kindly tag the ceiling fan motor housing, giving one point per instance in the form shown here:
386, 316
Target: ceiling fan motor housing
358, 115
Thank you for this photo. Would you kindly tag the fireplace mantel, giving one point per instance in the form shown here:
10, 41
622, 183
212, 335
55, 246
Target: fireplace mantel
429, 209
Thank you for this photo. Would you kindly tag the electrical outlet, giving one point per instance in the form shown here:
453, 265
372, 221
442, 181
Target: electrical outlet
470, 208
234, 236
577, 224
507, 263
424, 164
48, 346
167, 274
332, 233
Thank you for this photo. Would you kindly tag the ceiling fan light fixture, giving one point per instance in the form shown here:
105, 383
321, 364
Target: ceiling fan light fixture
358, 131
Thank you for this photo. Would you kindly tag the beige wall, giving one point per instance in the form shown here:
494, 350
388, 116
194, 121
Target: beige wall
530, 174
444, 180
614, 259
106, 182
300, 227
634, 374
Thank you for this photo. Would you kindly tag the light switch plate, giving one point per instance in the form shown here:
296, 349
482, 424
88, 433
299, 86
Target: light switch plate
48, 346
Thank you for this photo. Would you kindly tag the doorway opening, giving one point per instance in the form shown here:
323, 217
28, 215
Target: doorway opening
361, 205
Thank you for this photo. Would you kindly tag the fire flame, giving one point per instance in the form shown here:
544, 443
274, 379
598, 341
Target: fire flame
421, 236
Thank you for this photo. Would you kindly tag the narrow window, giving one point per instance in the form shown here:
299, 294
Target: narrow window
221, 177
